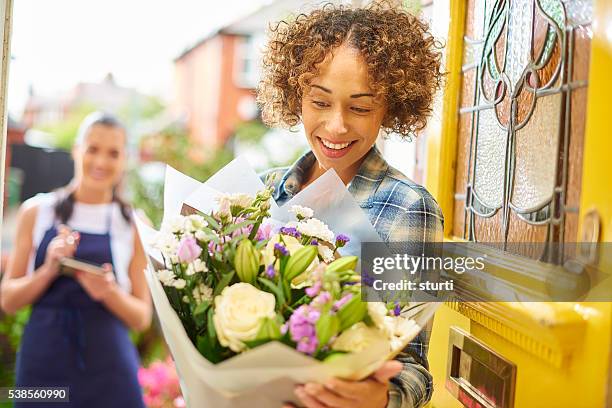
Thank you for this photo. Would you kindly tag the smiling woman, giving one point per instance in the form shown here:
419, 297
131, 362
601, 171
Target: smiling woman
82, 317
348, 75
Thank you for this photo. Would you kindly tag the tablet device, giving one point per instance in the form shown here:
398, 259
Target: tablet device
71, 265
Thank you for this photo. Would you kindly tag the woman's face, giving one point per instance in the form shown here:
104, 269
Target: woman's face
341, 115
100, 159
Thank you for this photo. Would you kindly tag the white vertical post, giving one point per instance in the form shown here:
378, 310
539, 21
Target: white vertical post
6, 17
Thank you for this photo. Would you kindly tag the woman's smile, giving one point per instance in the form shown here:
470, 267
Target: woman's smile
335, 150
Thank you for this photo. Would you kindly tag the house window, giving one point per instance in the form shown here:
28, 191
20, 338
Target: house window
248, 60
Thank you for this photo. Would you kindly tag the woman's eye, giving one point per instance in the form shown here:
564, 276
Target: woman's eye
92, 149
361, 110
320, 104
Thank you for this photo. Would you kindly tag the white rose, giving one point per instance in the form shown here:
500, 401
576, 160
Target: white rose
316, 228
239, 311
357, 338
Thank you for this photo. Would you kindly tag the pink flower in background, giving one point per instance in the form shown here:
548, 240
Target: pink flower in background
188, 249
160, 385
264, 232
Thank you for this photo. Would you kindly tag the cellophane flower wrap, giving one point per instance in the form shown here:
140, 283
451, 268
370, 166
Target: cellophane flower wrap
253, 297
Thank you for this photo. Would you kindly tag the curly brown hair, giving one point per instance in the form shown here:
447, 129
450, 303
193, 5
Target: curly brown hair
403, 61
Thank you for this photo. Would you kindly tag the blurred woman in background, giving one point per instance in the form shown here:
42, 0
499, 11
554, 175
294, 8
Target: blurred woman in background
77, 335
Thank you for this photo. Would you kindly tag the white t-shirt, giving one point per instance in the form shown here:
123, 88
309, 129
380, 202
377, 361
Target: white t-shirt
89, 218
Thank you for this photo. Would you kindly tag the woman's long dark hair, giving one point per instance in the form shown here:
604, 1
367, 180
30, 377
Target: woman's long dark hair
65, 203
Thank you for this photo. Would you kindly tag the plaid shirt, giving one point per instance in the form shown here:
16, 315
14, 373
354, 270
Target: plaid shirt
400, 211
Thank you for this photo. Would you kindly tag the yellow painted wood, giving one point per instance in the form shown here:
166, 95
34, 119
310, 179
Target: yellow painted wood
438, 353
442, 129
547, 374
596, 185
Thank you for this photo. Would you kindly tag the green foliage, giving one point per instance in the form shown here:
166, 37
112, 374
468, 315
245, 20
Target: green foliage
11, 329
63, 133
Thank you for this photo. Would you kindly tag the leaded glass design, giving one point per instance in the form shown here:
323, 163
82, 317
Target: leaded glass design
524, 81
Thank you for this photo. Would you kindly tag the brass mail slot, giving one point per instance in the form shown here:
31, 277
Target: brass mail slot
478, 376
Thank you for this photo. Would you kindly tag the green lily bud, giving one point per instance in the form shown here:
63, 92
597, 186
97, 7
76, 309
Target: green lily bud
269, 330
327, 327
352, 312
342, 264
299, 261
246, 261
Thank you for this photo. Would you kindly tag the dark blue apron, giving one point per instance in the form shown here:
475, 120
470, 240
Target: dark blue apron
73, 341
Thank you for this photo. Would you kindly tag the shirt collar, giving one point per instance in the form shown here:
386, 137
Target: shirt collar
364, 184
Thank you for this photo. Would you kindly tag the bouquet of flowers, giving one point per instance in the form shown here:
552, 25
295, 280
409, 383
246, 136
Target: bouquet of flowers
265, 302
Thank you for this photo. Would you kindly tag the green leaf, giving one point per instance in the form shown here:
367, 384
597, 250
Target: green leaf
235, 227
211, 221
201, 308
212, 333
327, 327
278, 292
225, 280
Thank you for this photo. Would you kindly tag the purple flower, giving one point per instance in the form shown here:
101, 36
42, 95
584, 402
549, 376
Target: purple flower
314, 289
308, 345
263, 232
343, 301
322, 298
397, 309
291, 231
367, 280
314, 242
302, 328
270, 272
280, 250
188, 249
341, 240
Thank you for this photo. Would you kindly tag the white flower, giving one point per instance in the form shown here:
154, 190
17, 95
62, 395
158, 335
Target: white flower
166, 277
179, 283
167, 244
239, 312
174, 225
193, 223
326, 253
357, 338
196, 266
316, 228
202, 293
229, 202
378, 312
241, 200
399, 330
301, 212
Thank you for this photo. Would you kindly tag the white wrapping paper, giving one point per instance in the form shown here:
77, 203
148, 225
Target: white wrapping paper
266, 375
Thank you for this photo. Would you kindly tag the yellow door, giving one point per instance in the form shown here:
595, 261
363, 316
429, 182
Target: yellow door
520, 155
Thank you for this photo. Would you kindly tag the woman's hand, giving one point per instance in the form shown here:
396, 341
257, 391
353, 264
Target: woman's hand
98, 287
336, 393
63, 245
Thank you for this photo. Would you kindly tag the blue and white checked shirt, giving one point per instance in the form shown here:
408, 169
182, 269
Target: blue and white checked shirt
400, 211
